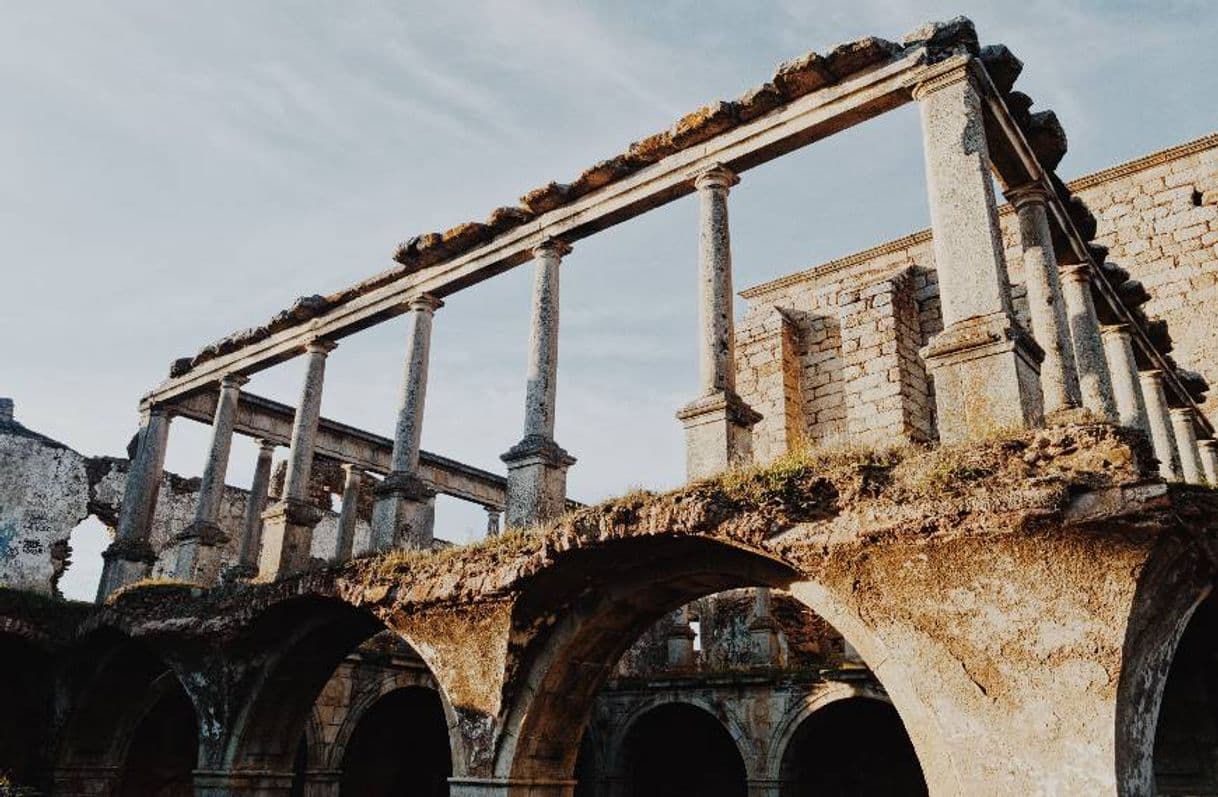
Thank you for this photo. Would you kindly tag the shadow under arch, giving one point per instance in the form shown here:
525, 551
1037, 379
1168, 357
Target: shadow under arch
602, 599
790, 722
398, 745
1173, 584
679, 747
720, 714
131, 727
25, 670
288, 652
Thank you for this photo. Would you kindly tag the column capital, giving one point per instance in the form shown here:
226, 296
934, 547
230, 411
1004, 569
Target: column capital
1151, 375
1077, 272
1185, 413
267, 446
350, 468
552, 247
424, 303
320, 346
1208, 443
157, 410
233, 380
1115, 330
1028, 195
715, 176
957, 73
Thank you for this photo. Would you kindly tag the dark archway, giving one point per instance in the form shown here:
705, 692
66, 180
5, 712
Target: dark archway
1186, 736
399, 748
676, 750
131, 728
25, 702
855, 747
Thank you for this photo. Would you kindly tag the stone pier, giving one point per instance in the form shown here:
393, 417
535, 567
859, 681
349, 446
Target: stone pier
1123, 368
985, 368
1182, 424
1094, 378
1158, 420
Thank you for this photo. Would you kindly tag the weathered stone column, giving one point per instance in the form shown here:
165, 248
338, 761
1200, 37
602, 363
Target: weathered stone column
1094, 378
1208, 451
1158, 421
1123, 368
1058, 378
985, 366
251, 526
492, 521
537, 465
718, 424
130, 557
404, 510
680, 639
195, 551
344, 542
287, 530
1182, 424
763, 631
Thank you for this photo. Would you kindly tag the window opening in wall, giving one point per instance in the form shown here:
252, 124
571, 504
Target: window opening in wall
696, 627
78, 560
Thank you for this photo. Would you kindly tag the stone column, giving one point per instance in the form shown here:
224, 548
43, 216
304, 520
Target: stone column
1094, 378
1182, 424
404, 510
251, 525
537, 465
718, 424
680, 640
1058, 378
1158, 421
492, 521
287, 530
1208, 451
985, 367
344, 541
1123, 368
130, 557
194, 553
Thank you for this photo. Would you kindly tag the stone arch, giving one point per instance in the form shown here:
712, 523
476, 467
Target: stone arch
411, 718
363, 700
288, 651
123, 697
796, 714
722, 714
600, 603
1171, 587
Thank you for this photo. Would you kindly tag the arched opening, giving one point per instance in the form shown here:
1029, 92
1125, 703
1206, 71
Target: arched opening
399, 747
132, 728
1186, 736
78, 560
856, 746
679, 749
321, 658
25, 701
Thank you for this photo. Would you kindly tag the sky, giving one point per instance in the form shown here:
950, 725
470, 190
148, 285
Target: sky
173, 172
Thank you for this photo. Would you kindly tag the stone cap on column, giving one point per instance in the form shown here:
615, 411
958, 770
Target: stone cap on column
949, 74
715, 176
553, 246
233, 380
1115, 330
541, 448
321, 345
267, 445
1079, 272
1028, 194
424, 303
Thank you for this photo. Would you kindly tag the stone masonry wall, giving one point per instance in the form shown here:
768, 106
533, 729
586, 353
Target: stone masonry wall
1158, 215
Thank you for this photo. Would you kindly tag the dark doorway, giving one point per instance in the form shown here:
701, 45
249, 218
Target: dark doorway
161, 759
852, 748
1186, 737
679, 750
399, 748
24, 703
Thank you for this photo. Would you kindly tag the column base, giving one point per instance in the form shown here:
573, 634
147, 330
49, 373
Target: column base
536, 481
287, 536
124, 562
987, 378
193, 554
250, 783
718, 434
403, 514
510, 787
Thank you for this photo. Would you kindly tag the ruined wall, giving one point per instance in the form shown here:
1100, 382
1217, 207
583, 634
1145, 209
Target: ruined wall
1158, 215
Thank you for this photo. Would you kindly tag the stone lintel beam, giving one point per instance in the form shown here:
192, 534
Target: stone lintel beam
817, 115
270, 420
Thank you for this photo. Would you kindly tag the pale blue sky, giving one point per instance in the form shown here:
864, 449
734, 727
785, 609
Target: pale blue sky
172, 172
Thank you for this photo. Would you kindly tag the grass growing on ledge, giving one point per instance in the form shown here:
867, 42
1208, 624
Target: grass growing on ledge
151, 583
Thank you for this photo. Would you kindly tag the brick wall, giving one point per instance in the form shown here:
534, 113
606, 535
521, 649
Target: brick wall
1158, 215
